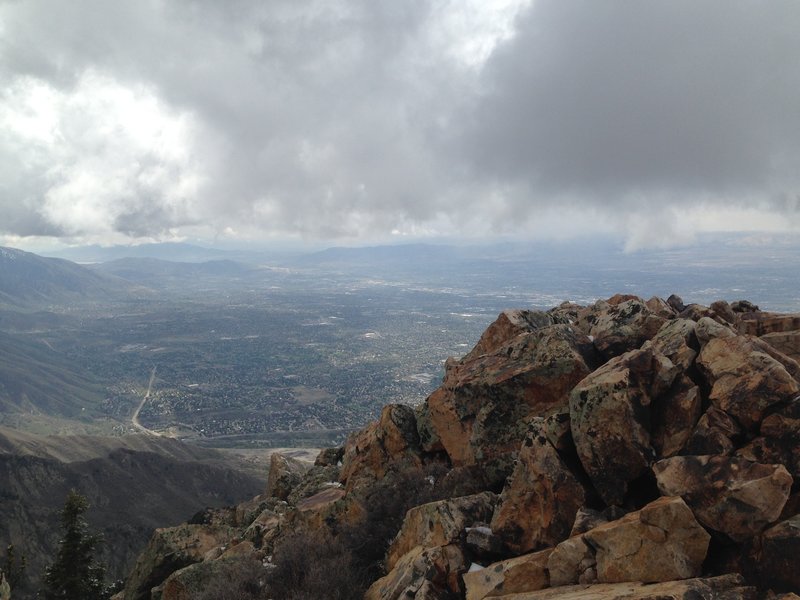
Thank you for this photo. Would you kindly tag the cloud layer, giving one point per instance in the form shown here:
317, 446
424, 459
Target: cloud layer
361, 119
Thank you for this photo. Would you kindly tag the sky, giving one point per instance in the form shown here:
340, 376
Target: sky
369, 121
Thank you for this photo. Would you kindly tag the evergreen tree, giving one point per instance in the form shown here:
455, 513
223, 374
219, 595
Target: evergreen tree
13, 567
75, 574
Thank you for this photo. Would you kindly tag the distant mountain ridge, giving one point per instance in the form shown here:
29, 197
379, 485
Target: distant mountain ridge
27, 278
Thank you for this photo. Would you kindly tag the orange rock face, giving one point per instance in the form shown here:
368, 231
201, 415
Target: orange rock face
610, 419
746, 379
479, 412
538, 505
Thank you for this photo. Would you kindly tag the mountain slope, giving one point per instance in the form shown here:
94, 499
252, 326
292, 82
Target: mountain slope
36, 379
134, 484
27, 278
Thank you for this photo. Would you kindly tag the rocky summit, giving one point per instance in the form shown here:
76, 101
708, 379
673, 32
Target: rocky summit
628, 449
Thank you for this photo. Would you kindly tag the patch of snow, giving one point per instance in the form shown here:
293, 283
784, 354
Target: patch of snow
474, 567
482, 529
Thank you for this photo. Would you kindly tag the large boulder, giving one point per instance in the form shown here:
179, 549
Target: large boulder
390, 443
787, 343
285, 473
439, 523
171, 549
677, 341
222, 574
610, 418
716, 432
538, 504
525, 573
764, 323
660, 542
479, 412
619, 325
779, 440
675, 416
506, 327
727, 494
726, 587
779, 560
422, 574
747, 378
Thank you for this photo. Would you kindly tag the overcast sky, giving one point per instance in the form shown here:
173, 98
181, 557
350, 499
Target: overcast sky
362, 121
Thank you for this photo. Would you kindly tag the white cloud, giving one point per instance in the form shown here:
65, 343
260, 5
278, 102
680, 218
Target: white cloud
367, 119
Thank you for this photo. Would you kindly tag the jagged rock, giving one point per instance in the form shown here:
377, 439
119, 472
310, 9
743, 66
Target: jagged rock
661, 308
619, 325
439, 523
676, 303
285, 473
779, 441
329, 457
572, 561
525, 573
263, 529
188, 583
332, 505
746, 380
779, 561
506, 327
479, 412
695, 312
786, 343
558, 431
762, 323
714, 434
723, 310
674, 417
391, 442
660, 542
610, 418
744, 306
727, 494
677, 341
538, 504
707, 329
566, 312
315, 480
482, 542
589, 518
726, 587
422, 574
171, 549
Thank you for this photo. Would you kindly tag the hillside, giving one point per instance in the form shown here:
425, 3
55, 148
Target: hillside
625, 449
134, 484
36, 379
27, 279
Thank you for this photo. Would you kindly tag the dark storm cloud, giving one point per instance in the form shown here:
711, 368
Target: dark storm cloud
359, 117
609, 99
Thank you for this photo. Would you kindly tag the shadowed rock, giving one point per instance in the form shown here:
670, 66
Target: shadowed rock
728, 494
538, 504
610, 419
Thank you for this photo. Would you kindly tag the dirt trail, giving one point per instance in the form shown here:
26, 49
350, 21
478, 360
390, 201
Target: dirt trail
135, 418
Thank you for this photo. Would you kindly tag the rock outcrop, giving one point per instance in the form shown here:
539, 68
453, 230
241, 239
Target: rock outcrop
626, 449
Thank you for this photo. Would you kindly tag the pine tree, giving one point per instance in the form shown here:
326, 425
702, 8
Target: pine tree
13, 567
75, 574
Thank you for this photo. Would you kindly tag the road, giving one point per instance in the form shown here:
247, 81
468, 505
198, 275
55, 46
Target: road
135, 418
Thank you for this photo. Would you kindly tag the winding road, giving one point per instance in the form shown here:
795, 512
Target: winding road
135, 418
